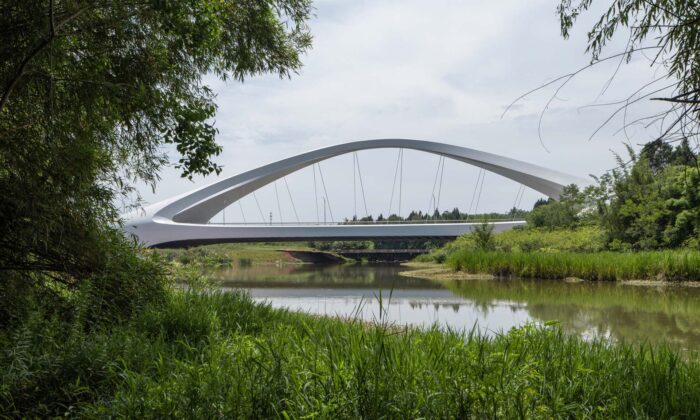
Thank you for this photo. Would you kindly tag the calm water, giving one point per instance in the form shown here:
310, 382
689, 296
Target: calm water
628, 313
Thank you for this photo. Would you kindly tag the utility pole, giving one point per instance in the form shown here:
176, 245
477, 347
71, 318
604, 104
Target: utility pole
270, 218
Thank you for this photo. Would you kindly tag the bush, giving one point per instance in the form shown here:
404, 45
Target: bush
483, 236
121, 279
128, 281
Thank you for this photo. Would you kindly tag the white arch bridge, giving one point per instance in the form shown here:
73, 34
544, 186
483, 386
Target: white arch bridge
184, 220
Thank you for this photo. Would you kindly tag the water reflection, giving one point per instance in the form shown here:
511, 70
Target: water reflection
628, 313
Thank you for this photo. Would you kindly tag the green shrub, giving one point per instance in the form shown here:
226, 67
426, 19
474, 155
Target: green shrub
483, 236
127, 282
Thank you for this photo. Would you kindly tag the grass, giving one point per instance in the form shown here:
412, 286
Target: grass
221, 355
227, 255
580, 239
672, 265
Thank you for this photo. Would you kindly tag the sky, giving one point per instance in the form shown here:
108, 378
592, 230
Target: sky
442, 70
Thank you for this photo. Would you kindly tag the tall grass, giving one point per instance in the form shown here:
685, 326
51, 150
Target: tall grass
667, 265
221, 355
580, 239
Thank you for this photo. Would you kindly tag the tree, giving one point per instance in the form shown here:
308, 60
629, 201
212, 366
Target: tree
651, 202
483, 236
669, 30
562, 213
90, 93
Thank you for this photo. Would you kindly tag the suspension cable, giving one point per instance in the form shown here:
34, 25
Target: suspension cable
291, 199
478, 198
431, 201
318, 220
520, 188
442, 172
362, 187
257, 203
476, 187
323, 182
400, 183
515, 203
520, 200
354, 189
279, 208
393, 185
242, 212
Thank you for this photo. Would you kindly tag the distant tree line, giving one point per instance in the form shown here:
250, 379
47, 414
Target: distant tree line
455, 214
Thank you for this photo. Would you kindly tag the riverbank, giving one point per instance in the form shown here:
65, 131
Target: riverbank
214, 355
228, 255
436, 271
671, 265
566, 253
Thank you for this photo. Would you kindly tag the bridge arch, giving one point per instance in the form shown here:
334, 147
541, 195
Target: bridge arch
197, 207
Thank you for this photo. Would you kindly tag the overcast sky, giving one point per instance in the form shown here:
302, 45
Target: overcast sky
438, 70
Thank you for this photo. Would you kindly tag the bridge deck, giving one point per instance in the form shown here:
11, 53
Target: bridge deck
183, 234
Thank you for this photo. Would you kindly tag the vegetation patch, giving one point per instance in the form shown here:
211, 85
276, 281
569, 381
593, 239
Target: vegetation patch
658, 265
221, 355
433, 271
228, 255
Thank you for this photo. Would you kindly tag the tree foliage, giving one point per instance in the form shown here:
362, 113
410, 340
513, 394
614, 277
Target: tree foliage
670, 30
652, 202
92, 92
567, 212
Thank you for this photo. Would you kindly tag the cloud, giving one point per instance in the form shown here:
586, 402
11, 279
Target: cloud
443, 71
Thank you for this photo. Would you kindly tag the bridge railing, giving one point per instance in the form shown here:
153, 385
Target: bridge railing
370, 222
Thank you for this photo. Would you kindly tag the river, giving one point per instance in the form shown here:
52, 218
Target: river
633, 314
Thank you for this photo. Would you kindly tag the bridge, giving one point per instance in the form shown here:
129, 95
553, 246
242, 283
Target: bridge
185, 220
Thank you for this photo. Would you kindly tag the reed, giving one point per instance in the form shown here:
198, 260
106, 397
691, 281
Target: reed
670, 265
210, 355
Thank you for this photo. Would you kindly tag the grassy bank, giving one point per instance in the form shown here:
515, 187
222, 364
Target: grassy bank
227, 255
580, 239
222, 355
676, 265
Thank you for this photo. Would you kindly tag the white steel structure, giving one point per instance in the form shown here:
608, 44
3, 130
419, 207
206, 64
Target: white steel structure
184, 219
